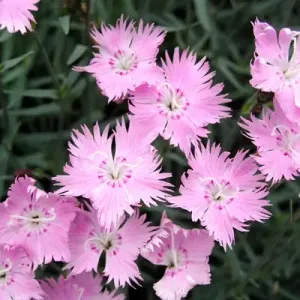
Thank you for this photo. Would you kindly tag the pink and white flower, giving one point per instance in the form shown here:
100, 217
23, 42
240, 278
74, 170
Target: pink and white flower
223, 193
15, 15
181, 106
122, 244
81, 287
16, 276
126, 57
39, 224
185, 253
273, 70
114, 181
278, 143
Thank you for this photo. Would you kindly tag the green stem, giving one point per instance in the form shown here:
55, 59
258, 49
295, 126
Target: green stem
48, 63
56, 83
3, 102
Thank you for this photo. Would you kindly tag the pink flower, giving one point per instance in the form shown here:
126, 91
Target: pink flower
278, 143
273, 70
122, 244
126, 57
185, 253
223, 193
179, 107
114, 181
16, 277
39, 224
15, 15
81, 287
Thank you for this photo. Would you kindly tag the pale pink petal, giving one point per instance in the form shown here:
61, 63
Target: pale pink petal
39, 224
181, 106
223, 193
185, 253
19, 282
123, 61
15, 15
114, 177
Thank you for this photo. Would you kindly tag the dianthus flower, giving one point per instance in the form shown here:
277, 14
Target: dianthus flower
122, 244
81, 287
278, 143
223, 193
179, 107
15, 15
126, 57
185, 253
16, 276
114, 181
274, 70
39, 224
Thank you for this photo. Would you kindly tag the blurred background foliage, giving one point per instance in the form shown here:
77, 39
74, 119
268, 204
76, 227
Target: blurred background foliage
42, 99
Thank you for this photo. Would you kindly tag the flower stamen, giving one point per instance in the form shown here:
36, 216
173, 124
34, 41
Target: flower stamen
36, 218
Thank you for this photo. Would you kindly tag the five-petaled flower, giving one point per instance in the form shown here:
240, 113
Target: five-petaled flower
278, 143
37, 221
122, 245
113, 180
126, 57
274, 69
223, 193
17, 277
183, 104
185, 253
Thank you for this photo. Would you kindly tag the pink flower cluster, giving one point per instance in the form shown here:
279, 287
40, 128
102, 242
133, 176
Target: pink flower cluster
116, 171
177, 100
276, 68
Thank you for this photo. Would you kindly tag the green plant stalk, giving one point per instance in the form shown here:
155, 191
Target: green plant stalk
58, 90
3, 101
48, 63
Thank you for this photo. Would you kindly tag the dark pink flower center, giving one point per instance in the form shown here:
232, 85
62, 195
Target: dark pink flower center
107, 241
171, 102
115, 172
219, 192
287, 139
123, 62
33, 219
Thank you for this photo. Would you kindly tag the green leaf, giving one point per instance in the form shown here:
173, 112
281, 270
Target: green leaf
76, 54
8, 64
4, 36
65, 23
246, 109
202, 14
224, 68
38, 93
177, 158
40, 110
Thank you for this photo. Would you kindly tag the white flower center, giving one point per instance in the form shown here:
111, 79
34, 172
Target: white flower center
33, 219
219, 192
123, 62
102, 241
175, 256
171, 102
115, 172
287, 139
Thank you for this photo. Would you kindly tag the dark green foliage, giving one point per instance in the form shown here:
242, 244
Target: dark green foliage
42, 99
